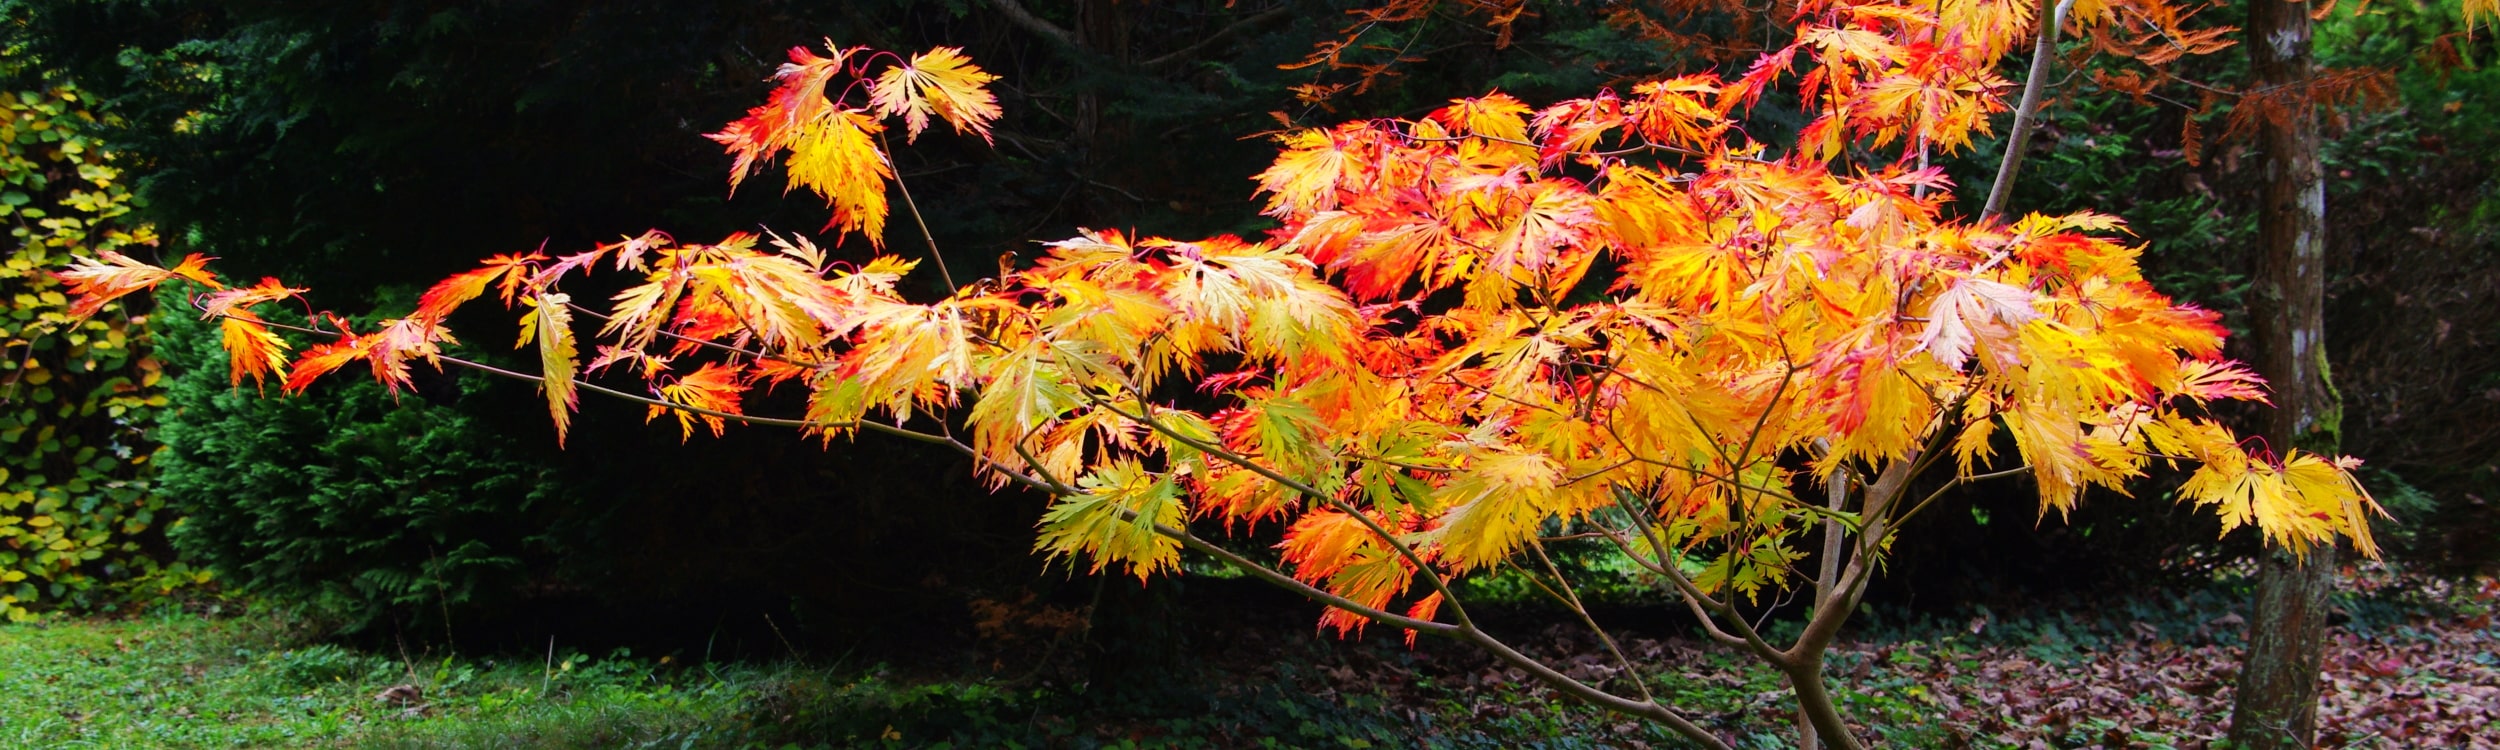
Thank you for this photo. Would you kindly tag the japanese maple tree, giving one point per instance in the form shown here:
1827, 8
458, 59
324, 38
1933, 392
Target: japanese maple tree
1617, 317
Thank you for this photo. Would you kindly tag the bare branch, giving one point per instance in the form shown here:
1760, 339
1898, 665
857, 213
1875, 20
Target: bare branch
1185, 54
1016, 14
2019, 137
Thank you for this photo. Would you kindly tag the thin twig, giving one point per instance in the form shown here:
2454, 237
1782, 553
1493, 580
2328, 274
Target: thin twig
914, 208
1582, 610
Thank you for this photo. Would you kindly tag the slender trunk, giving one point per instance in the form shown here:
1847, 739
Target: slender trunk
1814, 702
2278, 691
1826, 580
2277, 702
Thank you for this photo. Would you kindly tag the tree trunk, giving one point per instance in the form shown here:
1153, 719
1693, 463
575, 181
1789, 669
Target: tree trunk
2277, 702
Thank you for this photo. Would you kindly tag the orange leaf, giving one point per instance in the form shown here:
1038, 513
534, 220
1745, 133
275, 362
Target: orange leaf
446, 295
235, 301
320, 360
251, 350
111, 275
799, 102
713, 386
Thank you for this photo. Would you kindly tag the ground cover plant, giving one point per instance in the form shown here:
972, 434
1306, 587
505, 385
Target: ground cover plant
1475, 334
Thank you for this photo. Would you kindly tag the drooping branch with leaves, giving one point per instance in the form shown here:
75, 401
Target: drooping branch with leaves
1472, 335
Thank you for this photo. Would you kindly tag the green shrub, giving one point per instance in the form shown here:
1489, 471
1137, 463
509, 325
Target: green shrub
343, 499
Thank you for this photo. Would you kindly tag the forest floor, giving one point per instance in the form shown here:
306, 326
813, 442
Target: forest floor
2414, 662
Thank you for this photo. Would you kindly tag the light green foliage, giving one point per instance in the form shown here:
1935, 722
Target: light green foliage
77, 393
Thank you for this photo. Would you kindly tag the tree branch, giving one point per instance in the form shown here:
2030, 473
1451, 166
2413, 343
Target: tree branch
1145, 417
1016, 14
2042, 55
1697, 599
1586, 619
1185, 54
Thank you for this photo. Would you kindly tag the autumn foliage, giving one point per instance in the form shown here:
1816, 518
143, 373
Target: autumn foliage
1618, 316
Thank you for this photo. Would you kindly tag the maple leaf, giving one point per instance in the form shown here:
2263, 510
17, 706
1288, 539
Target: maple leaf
775, 299
548, 276
1495, 504
641, 310
251, 349
941, 82
1306, 175
2303, 502
98, 281
1026, 392
836, 158
794, 106
1672, 112
1746, 90
831, 151
1969, 305
321, 360
549, 322
2213, 379
1497, 120
230, 301
1112, 520
1851, 45
629, 251
1553, 219
1321, 543
713, 387
1340, 552
447, 295
912, 355
412, 338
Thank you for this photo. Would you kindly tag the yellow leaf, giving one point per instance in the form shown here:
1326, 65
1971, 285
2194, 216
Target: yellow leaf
1114, 520
1500, 124
1305, 176
550, 323
941, 82
1496, 503
836, 158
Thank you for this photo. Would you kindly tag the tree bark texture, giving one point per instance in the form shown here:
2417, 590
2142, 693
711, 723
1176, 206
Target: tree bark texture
2277, 702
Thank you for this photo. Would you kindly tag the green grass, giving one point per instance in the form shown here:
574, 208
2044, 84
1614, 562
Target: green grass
181, 681
186, 681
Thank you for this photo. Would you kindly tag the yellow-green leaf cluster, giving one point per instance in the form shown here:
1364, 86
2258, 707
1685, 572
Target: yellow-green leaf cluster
79, 384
